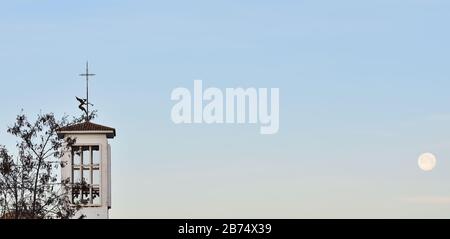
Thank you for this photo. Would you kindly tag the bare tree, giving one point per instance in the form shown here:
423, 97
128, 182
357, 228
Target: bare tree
30, 184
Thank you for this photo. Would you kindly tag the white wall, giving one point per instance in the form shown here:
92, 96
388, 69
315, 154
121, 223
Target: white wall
91, 212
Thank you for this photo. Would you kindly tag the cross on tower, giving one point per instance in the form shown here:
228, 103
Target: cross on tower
87, 74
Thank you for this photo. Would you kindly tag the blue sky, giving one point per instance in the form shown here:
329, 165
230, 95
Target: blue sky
363, 92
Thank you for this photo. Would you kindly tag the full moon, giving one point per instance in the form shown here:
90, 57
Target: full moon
427, 161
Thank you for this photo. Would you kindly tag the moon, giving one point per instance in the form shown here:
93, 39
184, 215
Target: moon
427, 161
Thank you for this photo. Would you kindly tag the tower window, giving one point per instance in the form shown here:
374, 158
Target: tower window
86, 175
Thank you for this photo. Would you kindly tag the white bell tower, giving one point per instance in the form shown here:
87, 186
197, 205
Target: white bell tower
88, 163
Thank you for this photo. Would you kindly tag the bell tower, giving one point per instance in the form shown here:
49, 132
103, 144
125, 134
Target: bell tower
88, 163
88, 167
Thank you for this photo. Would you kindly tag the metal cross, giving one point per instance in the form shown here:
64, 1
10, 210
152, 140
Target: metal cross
87, 74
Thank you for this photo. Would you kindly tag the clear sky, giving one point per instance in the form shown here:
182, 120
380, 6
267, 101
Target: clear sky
363, 92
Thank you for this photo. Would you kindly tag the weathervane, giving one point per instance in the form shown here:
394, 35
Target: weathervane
85, 102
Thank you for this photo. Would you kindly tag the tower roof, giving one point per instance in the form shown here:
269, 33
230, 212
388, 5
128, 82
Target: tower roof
87, 128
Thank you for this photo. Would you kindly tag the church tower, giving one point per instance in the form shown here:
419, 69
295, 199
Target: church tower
88, 163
